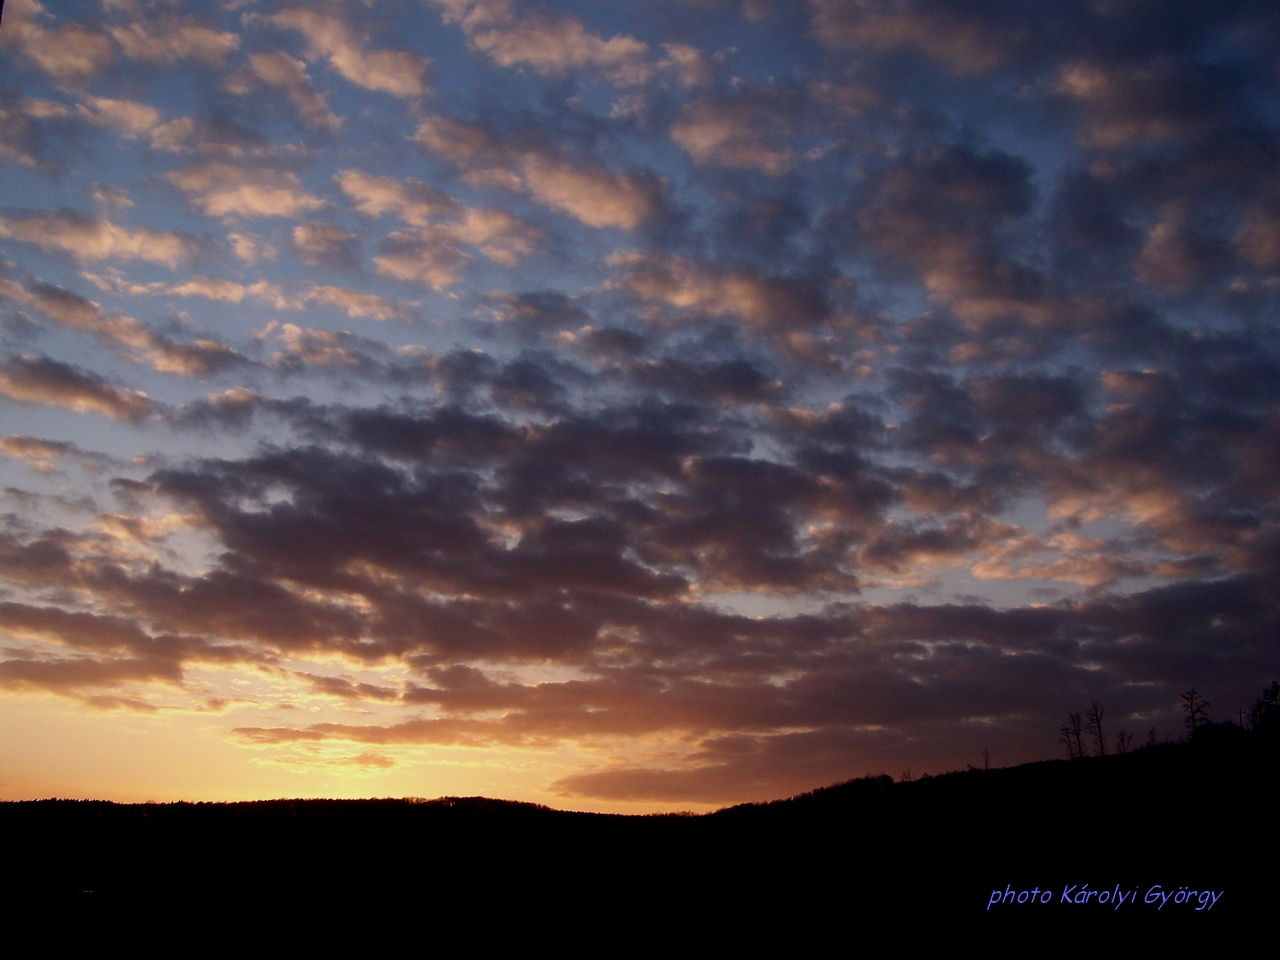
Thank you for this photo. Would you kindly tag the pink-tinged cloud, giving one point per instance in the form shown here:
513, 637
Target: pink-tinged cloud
1130, 104
968, 41
692, 67
89, 238
589, 192
550, 45
358, 304
251, 249
429, 250
172, 39
226, 190
696, 288
355, 303
284, 73
128, 117
732, 135
798, 390
69, 53
40, 380
558, 46
411, 200
596, 196
67, 309
326, 245
398, 73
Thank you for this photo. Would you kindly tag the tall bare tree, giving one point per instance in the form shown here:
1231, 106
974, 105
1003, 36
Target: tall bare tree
1197, 709
1265, 711
1072, 733
1093, 720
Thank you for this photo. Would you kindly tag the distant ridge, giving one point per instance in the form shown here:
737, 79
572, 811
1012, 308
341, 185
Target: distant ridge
1175, 816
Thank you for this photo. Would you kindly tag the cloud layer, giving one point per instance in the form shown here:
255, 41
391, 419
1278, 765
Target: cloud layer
665, 412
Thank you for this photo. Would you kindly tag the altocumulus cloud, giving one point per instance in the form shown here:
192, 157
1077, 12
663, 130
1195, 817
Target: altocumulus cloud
758, 410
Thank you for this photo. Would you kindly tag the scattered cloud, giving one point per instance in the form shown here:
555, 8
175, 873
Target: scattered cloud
550, 45
398, 73
173, 39
789, 391
589, 192
40, 380
89, 238
284, 73
226, 190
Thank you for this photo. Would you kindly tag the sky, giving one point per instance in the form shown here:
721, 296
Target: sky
639, 407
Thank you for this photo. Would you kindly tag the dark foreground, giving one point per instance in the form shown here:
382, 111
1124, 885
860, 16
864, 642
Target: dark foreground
1169, 841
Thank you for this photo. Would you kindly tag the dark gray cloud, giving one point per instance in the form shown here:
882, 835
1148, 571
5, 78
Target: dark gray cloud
754, 397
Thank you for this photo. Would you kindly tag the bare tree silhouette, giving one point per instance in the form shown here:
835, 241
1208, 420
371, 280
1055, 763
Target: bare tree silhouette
1072, 732
1197, 710
1093, 720
1265, 712
1124, 740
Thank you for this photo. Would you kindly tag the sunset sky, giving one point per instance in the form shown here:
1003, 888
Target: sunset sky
627, 406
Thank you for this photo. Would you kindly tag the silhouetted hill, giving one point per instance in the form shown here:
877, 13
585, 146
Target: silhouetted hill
868, 853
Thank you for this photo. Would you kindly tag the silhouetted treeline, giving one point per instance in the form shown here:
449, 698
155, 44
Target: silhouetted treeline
1179, 815
1264, 720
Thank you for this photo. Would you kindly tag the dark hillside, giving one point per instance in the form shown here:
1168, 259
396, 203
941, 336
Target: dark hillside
870, 851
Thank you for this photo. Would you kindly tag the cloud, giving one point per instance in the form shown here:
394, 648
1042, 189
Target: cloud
550, 45
18, 137
421, 257
1130, 104
30, 448
589, 192
974, 39
398, 73
69, 53
221, 189
42, 455
946, 215
411, 200
72, 674
171, 39
693, 288
1175, 257
876, 390
113, 198
251, 249
224, 290
284, 73
92, 238
214, 135
112, 653
71, 310
720, 381
326, 245
554, 46
730, 134
753, 768
129, 117
595, 196
429, 250
319, 349
355, 303
462, 143
691, 66
32, 379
